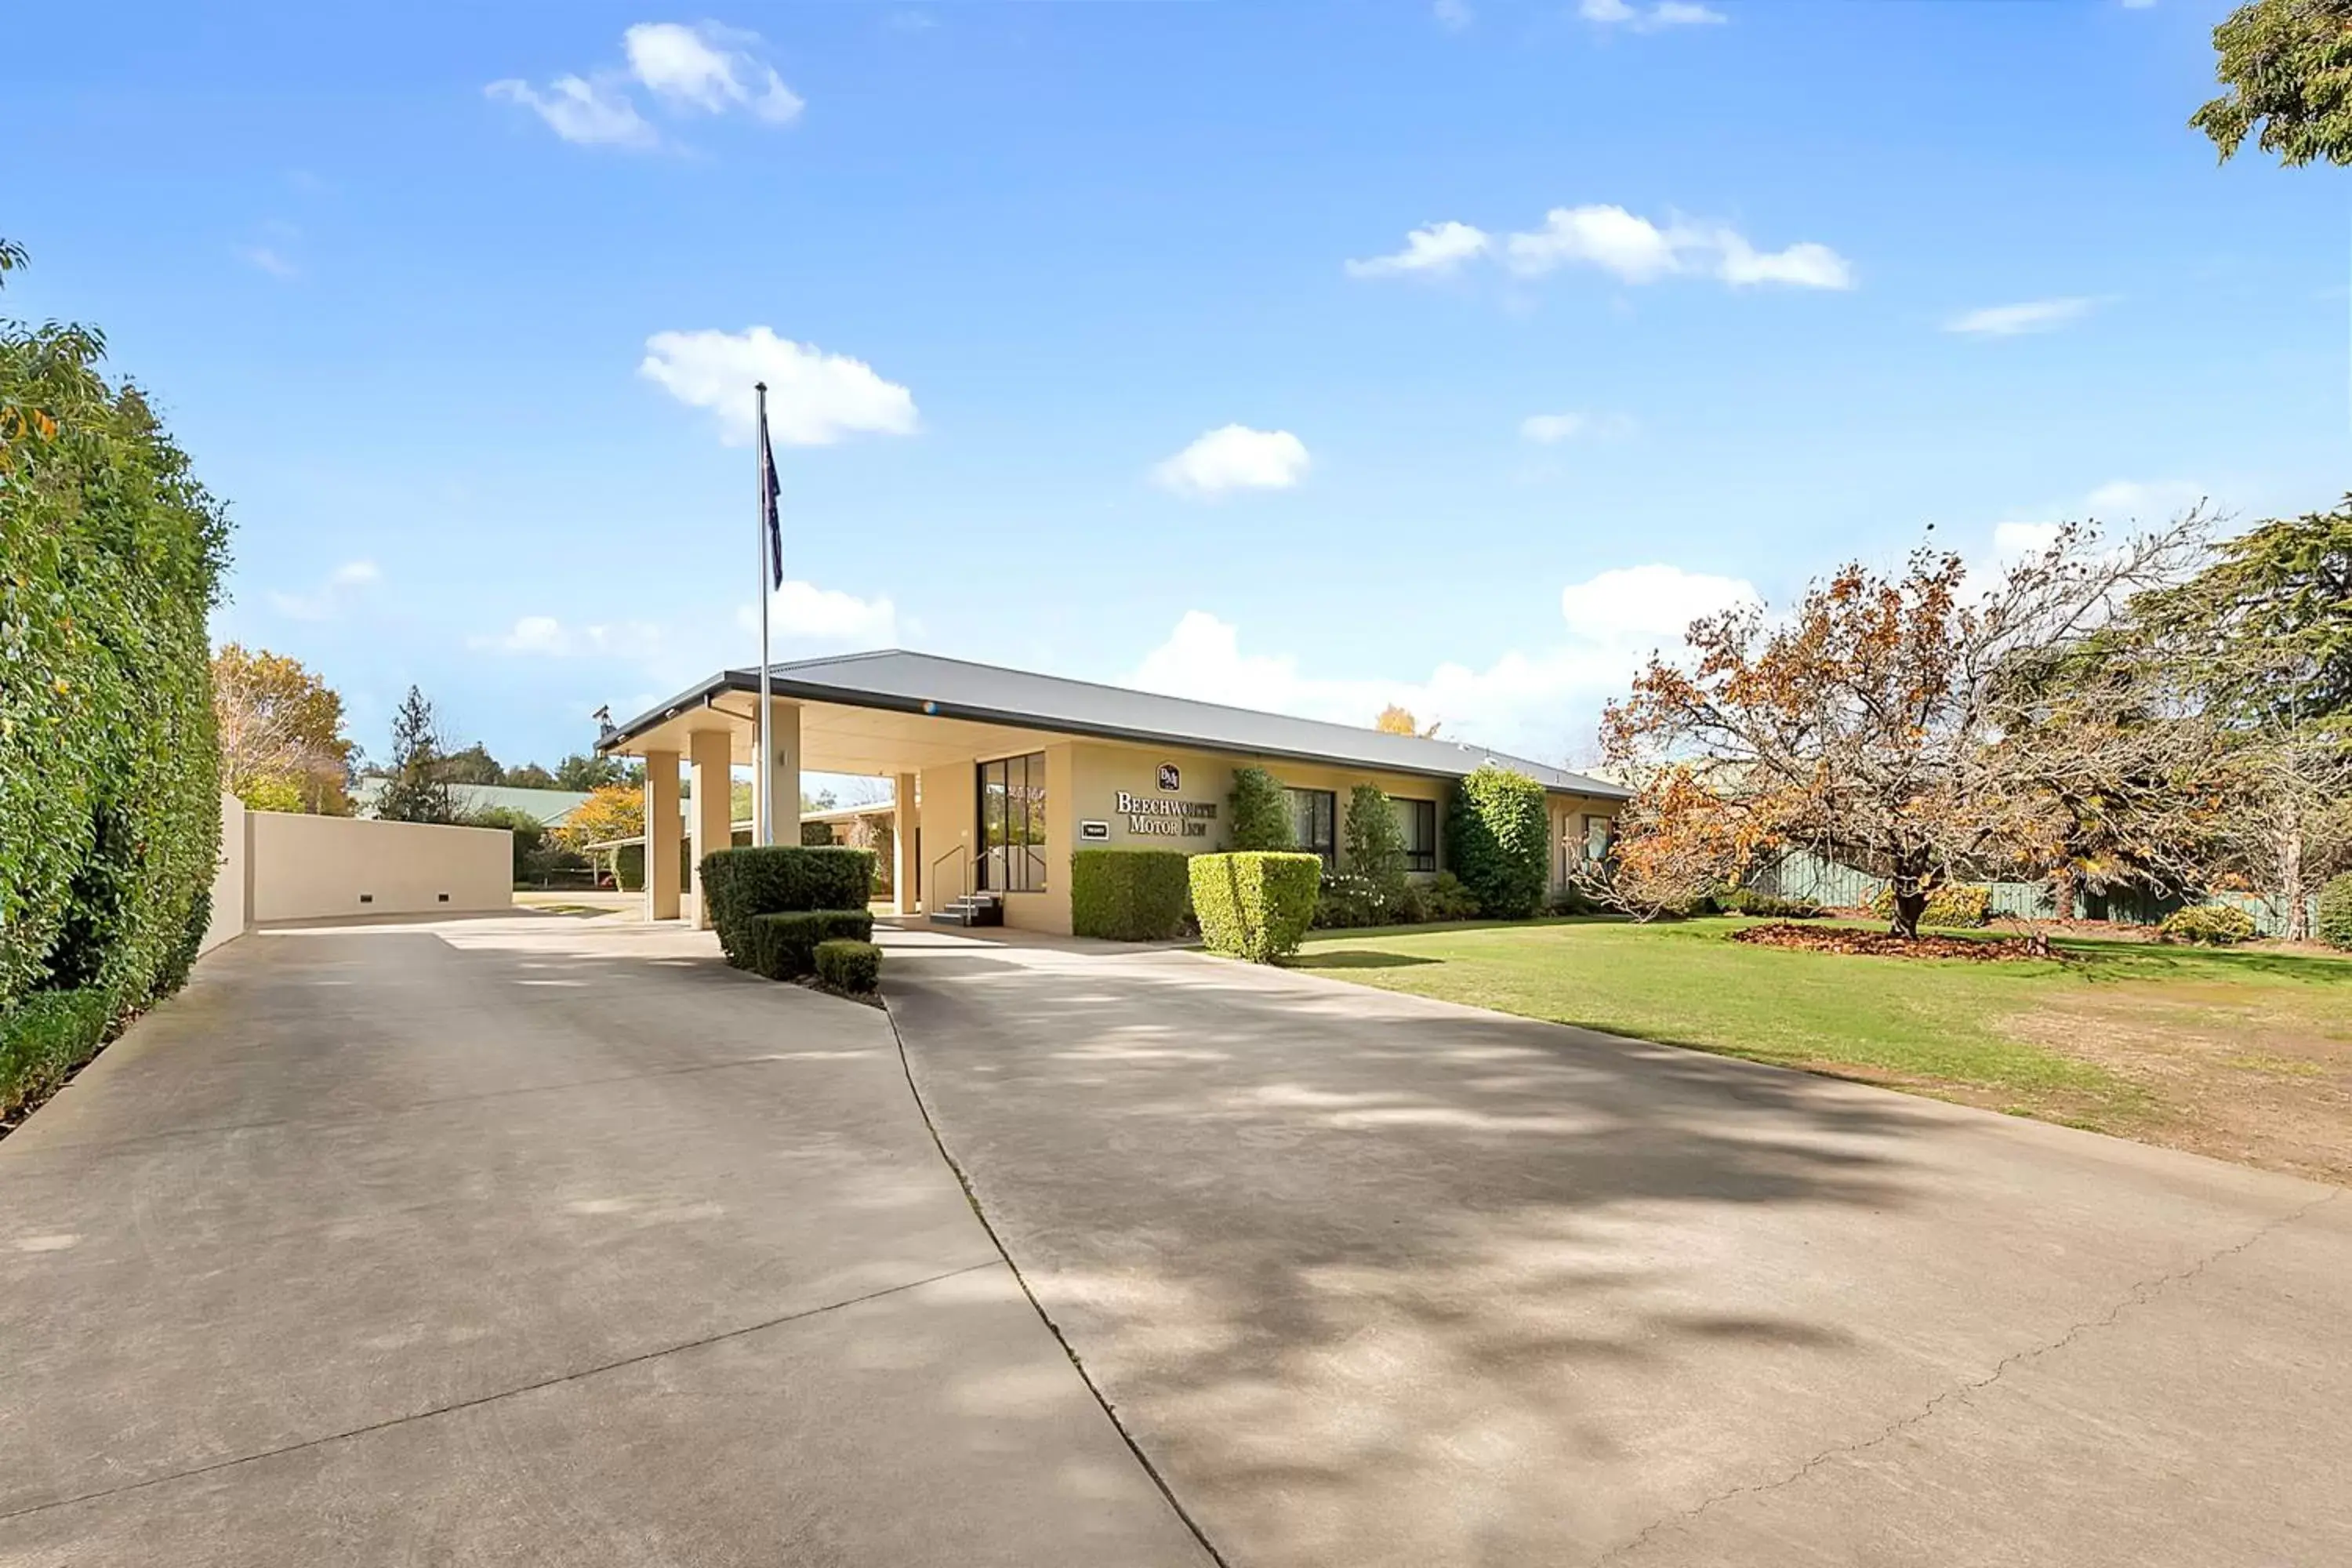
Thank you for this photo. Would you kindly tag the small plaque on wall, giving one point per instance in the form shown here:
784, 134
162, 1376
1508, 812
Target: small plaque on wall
1095, 830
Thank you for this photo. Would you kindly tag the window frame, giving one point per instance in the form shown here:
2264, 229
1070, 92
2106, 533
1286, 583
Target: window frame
1329, 849
1014, 849
1417, 812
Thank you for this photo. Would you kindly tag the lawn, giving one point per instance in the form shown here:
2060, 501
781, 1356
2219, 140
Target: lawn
2245, 1055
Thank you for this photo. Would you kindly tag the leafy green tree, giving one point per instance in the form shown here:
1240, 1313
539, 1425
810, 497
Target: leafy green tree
530, 775
472, 765
415, 789
2287, 66
1376, 843
1261, 811
584, 771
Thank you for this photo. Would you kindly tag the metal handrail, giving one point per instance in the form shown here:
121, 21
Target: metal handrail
963, 878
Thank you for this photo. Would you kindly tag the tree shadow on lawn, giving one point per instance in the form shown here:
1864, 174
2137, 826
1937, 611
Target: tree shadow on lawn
1360, 958
1381, 1282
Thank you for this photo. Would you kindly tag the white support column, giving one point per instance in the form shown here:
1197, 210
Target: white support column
663, 836
785, 770
708, 756
906, 826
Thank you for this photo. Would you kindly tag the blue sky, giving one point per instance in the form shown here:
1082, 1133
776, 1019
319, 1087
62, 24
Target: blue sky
1735, 292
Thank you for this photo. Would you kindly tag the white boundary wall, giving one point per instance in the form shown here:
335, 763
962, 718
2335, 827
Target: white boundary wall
306, 868
278, 866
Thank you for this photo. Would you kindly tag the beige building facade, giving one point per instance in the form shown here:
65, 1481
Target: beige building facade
999, 775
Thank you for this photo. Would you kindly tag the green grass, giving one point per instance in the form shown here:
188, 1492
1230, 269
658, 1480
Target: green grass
1942, 1025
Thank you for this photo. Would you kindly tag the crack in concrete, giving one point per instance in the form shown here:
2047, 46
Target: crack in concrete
2139, 1294
576, 1376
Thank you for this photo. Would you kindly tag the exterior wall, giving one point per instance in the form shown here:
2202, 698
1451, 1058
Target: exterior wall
232, 880
1570, 826
947, 819
304, 868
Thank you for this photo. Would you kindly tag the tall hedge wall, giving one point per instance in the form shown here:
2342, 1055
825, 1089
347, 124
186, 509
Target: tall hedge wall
110, 554
1498, 841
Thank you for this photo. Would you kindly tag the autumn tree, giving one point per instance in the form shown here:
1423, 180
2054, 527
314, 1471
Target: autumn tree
1883, 724
415, 790
610, 812
282, 733
1396, 720
2287, 68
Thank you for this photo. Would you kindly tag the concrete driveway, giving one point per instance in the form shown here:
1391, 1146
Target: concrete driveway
1374, 1279
523, 1241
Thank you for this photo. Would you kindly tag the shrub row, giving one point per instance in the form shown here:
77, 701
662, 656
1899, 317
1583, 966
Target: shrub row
1749, 901
1955, 904
1255, 904
742, 884
2213, 925
110, 555
784, 946
1348, 901
1129, 895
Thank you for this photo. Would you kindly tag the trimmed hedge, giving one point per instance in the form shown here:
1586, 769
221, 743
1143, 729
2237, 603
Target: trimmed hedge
1499, 841
46, 1037
1261, 812
2334, 926
111, 556
1129, 895
1376, 843
739, 885
2214, 925
1255, 904
784, 946
855, 967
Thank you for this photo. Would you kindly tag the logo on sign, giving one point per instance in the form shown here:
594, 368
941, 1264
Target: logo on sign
1170, 779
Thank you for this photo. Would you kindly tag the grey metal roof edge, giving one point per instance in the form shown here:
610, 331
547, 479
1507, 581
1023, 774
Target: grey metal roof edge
782, 683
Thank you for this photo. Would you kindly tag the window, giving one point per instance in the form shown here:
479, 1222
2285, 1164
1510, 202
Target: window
1418, 819
1314, 822
1596, 831
1013, 825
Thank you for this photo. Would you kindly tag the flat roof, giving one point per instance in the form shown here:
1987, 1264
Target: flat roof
897, 680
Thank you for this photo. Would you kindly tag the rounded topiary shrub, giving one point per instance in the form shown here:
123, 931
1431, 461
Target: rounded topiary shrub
847, 965
1499, 841
2334, 926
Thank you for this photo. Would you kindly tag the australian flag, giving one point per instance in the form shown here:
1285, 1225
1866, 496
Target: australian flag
771, 497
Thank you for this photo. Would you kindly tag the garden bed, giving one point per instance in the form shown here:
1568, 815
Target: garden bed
1883, 944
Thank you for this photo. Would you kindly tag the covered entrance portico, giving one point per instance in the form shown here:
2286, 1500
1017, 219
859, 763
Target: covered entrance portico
1000, 774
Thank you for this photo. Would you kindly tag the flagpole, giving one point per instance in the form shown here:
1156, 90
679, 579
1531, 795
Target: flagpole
763, 771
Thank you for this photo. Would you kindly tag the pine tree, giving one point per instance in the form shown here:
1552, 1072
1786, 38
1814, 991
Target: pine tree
416, 791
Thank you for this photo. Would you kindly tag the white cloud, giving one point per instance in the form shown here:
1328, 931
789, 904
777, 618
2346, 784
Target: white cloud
1452, 14
710, 68
321, 603
2009, 321
591, 113
1803, 266
1436, 250
802, 612
1640, 251
1551, 430
815, 398
269, 261
2016, 541
1234, 457
1665, 14
1541, 704
546, 637
704, 69
2123, 500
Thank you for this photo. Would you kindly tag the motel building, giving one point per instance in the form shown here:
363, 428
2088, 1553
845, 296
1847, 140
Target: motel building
1008, 771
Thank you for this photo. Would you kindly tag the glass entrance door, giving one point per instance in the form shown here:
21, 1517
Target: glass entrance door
1013, 825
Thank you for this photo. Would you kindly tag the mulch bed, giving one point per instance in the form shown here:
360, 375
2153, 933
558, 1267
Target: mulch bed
1882, 944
